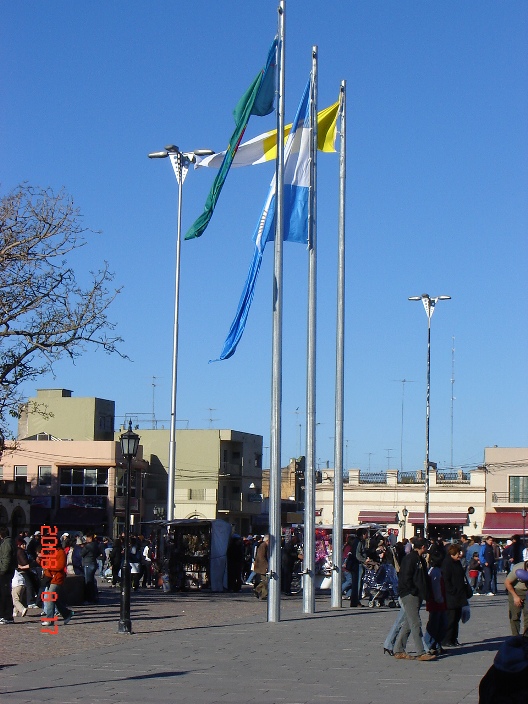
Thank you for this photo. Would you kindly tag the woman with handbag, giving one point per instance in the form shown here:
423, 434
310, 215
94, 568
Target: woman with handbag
457, 592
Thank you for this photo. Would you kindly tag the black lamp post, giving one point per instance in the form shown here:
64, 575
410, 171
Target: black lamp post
129, 447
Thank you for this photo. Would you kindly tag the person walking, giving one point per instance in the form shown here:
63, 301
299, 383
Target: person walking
261, 568
8, 563
355, 565
89, 553
516, 584
56, 577
456, 595
436, 605
488, 565
412, 587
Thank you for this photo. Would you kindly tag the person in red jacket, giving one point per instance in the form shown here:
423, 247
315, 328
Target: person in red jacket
57, 575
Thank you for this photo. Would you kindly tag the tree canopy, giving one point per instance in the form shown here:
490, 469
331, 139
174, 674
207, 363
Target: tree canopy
45, 313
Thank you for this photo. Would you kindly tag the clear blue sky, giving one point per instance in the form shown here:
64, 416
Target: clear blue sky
437, 187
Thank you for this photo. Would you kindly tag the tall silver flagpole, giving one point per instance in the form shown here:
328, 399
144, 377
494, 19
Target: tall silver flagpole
309, 475
276, 364
337, 541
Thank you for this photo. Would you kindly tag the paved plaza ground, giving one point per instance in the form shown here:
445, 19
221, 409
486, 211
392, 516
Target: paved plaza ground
206, 648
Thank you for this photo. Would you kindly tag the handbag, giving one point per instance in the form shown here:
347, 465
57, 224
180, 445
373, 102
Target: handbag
466, 613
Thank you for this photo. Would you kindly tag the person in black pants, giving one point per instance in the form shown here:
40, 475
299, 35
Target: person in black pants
455, 587
354, 564
7, 570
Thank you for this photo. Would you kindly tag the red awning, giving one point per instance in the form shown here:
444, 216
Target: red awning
382, 517
503, 524
439, 519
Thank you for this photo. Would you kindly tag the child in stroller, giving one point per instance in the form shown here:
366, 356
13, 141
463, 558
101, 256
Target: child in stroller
381, 584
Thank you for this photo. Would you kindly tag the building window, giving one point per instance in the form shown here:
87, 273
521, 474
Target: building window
20, 470
44, 475
120, 483
1, 471
518, 490
197, 494
258, 460
82, 481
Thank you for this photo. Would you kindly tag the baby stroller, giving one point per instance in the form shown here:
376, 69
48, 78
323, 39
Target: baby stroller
369, 579
384, 587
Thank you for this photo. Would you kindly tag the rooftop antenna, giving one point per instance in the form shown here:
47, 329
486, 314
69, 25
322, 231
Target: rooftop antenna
388, 451
211, 419
453, 397
402, 382
154, 425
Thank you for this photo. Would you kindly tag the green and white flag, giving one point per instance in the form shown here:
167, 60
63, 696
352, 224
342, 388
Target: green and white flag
257, 100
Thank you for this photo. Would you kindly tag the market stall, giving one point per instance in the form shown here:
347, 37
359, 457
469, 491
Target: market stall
197, 553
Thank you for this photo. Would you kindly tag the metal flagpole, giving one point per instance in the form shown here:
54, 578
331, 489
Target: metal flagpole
276, 364
337, 533
309, 475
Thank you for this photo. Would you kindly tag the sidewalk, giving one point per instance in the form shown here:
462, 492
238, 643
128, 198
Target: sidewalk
206, 648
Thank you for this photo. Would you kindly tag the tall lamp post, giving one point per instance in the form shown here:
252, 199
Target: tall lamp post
129, 447
180, 163
429, 305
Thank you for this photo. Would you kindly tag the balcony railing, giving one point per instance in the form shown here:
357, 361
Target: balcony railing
231, 505
228, 469
372, 478
411, 477
457, 477
503, 497
15, 487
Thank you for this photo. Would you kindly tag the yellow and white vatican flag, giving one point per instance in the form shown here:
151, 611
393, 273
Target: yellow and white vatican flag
264, 147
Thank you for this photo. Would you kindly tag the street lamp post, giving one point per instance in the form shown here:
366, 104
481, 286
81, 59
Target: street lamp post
180, 162
523, 514
129, 447
405, 513
429, 306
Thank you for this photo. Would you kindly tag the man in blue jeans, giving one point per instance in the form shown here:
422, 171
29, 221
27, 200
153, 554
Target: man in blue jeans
90, 552
488, 563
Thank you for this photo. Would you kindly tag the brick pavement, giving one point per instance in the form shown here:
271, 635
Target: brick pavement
208, 648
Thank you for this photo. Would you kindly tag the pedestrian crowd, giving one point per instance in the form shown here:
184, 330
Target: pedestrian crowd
28, 582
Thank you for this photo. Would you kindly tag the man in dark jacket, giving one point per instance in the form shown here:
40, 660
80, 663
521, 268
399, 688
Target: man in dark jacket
355, 564
8, 565
488, 564
90, 552
412, 586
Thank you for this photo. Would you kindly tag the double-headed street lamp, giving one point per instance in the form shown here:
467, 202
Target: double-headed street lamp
129, 447
180, 163
429, 305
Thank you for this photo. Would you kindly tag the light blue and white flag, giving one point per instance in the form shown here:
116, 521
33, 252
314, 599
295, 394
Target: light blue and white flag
296, 196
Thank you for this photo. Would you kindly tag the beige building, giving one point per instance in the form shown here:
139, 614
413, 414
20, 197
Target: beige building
218, 473
490, 499
75, 485
396, 499
57, 412
506, 490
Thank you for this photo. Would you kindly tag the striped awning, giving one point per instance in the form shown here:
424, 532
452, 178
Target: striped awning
439, 519
382, 517
503, 524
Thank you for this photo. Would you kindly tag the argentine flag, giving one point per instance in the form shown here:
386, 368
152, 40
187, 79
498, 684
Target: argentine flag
296, 195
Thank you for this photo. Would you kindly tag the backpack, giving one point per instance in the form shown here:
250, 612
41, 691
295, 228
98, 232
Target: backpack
351, 561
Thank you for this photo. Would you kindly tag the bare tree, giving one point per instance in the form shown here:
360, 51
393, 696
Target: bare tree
45, 314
